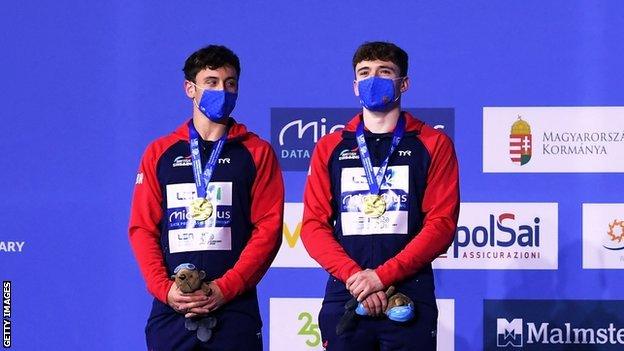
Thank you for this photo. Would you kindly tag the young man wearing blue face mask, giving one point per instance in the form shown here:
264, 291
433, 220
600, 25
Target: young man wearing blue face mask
381, 203
208, 197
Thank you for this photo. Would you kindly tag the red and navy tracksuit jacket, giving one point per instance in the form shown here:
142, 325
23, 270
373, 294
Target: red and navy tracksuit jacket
236, 245
422, 195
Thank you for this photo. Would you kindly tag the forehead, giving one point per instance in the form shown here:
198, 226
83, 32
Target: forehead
376, 64
223, 72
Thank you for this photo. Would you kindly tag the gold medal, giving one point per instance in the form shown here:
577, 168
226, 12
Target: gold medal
201, 209
374, 205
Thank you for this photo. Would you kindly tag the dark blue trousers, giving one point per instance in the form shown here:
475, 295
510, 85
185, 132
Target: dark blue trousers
234, 331
380, 333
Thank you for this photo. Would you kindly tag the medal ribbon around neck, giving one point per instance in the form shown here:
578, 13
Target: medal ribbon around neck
201, 207
376, 181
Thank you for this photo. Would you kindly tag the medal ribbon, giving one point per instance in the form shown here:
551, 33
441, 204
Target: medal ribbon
376, 181
203, 178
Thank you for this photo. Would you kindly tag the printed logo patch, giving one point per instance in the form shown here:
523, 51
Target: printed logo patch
603, 236
347, 154
187, 234
182, 161
394, 191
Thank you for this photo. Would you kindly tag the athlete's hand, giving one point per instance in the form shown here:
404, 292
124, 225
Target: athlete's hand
215, 300
376, 303
182, 302
364, 283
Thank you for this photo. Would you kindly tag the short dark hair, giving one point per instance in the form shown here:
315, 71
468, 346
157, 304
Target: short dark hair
384, 51
212, 57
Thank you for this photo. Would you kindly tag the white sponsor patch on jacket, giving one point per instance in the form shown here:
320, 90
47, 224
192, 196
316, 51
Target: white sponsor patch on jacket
395, 191
186, 234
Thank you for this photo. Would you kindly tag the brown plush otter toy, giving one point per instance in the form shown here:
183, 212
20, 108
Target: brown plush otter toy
396, 299
400, 307
189, 279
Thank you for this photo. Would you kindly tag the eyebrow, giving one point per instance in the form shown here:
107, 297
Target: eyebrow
385, 67
214, 77
388, 67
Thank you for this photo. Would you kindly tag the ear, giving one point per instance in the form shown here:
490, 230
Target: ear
404, 85
202, 274
189, 89
356, 91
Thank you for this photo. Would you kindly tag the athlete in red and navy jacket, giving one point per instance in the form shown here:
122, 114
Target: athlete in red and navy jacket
235, 246
367, 254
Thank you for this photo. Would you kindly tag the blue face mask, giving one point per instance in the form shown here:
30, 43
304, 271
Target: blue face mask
376, 93
216, 104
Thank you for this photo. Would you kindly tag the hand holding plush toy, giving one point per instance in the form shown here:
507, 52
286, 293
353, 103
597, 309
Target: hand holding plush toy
400, 309
188, 279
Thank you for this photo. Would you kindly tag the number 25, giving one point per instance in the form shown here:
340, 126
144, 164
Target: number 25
309, 329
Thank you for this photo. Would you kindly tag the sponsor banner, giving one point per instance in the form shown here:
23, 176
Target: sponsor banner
603, 236
553, 325
504, 236
553, 139
295, 131
292, 253
294, 324
489, 236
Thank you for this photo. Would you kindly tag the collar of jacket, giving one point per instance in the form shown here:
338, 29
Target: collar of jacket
236, 131
412, 127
